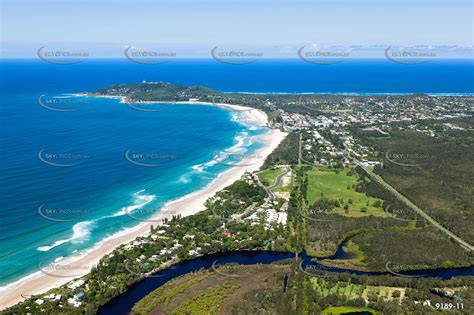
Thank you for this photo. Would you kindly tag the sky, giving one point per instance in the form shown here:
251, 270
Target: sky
104, 24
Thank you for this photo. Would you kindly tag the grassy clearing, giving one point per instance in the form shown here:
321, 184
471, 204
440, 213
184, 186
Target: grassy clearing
349, 290
206, 302
386, 293
285, 185
339, 185
335, 310
353, 291
267, 177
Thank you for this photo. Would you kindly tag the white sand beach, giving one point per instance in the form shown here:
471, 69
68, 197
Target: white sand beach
76, 266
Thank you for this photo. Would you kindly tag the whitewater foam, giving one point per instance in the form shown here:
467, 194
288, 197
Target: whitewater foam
55, 244
198, 168
142, 199
80, 231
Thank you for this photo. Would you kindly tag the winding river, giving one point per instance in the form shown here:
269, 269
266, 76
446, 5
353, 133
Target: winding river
124, 302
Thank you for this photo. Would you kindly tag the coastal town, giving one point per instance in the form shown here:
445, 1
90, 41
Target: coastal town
288, 157
322, 172
376, 114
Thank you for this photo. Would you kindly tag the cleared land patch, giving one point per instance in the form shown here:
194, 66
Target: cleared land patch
338, 187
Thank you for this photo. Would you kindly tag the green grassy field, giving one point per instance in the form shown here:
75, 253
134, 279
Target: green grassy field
353, 291
336, 185
335, 310
268, 176
349, 290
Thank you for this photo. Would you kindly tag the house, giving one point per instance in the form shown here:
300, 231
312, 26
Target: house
73, 302
193, 252
267, 226
76, 284
177, 245
372, 163
228, 234
282, 218
53, 296
78, 295
165, 251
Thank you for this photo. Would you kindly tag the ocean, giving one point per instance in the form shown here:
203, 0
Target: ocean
71, 178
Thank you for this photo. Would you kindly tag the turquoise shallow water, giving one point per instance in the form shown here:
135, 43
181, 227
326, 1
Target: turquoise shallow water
73, 178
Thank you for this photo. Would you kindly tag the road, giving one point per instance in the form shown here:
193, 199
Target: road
402, 198
277, 181
275, 184
414, 207
300, 145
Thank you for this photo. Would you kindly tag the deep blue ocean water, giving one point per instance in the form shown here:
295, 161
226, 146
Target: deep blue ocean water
274, 76
87, 200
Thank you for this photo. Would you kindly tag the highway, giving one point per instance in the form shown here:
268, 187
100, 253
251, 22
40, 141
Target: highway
414, 207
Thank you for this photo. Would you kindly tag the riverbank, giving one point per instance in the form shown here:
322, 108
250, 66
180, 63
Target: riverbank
123, 303
41, 281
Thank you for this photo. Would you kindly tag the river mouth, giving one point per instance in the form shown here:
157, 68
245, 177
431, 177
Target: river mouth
123, 303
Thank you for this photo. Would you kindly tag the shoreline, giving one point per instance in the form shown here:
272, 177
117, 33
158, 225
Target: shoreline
39, 281
347, 93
